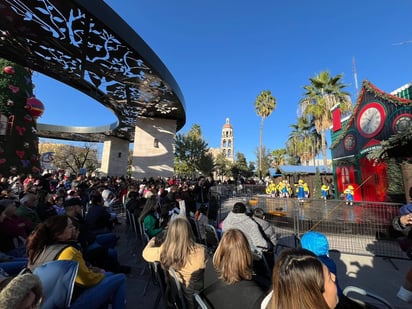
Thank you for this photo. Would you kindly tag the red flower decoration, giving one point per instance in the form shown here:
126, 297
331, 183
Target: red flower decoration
20, 153
9, 70
20, 130
2, 161
14, 89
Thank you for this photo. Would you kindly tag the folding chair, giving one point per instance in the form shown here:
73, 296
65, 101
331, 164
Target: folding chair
132, 221
174, 290
196, 230
161, 281
212, 239
366, 295
201, 302
142, 230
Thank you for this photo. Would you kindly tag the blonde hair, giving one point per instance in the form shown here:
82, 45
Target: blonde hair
298, 281
178, 245
233, 258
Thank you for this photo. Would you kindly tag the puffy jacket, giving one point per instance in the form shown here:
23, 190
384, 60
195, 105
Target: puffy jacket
249, 227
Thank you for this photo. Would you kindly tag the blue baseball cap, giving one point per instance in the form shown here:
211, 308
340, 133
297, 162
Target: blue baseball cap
405, 209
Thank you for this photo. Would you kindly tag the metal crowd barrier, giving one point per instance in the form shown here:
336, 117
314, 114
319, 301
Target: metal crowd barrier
364, 228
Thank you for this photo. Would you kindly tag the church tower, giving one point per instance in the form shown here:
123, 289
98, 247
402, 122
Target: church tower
227, 145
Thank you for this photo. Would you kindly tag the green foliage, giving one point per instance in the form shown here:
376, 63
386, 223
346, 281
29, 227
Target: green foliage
395, 179
278, 157
240, 167
317, 184
19, 146
206, 164
266, 160
222, 165
324, 92
265, 104
191, 151
74, 158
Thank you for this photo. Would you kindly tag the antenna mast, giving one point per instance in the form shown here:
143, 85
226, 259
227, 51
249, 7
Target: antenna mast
355, 75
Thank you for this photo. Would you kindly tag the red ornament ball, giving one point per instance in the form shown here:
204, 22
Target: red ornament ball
9, 70
35, 107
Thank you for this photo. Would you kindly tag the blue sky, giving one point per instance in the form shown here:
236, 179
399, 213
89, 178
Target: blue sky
223, 53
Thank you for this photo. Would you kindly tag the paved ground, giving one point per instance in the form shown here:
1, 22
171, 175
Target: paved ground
377, 275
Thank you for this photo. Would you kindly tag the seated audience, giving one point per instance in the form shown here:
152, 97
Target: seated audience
403, 223
150, 218
301, 281
233, 261
238, 219
202, 221
98, 249
20, 292
13, 229
98, 218
27, 209
318, 244
267, 228
180, 251
52, 240
59, 205
12, 265
260, 245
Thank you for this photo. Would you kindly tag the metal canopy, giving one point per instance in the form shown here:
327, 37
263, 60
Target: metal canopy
86, 45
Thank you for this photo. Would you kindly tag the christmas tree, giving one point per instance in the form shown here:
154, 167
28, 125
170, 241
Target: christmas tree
19, 111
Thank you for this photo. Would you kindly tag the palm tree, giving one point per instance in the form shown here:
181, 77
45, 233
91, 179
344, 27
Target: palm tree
323, 93
278, 157
300, 144
265, 104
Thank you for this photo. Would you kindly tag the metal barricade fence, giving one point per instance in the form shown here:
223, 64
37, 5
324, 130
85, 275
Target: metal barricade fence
362, 228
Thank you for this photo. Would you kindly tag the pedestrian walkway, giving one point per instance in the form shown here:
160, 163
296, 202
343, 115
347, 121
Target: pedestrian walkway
381, 276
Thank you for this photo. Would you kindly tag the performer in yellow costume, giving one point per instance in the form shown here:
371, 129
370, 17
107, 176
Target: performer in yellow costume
302, 190
324, 190
271, 189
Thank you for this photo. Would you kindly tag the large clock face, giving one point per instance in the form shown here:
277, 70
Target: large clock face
402, 123
371, 119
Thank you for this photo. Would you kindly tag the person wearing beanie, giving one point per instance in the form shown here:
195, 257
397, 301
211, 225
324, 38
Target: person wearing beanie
23, 291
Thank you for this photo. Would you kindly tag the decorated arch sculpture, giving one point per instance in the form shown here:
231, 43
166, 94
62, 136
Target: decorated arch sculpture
86, 45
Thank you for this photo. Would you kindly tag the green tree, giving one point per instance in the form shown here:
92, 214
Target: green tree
319, 97
206, 164
222, 165
266, 159
317, 184
190, 152
304, 141
240, 167
265, 104
18, 138
278, 157
73, 158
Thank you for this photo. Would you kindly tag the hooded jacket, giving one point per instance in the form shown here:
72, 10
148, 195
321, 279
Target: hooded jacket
243, 222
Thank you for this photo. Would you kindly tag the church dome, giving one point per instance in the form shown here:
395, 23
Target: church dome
227, 125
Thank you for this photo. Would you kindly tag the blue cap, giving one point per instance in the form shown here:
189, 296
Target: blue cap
405, 209
315, 242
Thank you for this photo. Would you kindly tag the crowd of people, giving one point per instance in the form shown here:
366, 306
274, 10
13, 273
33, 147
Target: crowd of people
52, 218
